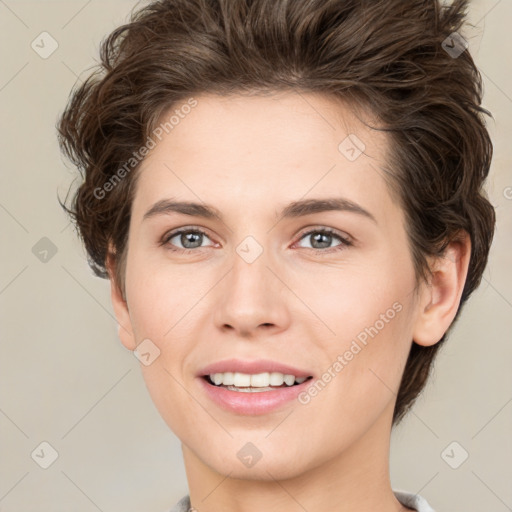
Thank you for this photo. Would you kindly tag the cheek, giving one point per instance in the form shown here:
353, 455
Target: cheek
162, 304
370, 314
375, 357
354, 298
162, 296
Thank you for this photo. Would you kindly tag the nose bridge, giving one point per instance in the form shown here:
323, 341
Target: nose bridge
251, 295
250, 274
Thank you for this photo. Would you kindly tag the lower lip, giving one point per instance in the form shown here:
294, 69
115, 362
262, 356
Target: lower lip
259, 402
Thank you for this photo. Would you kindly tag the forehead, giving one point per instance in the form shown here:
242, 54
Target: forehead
279, 146
303, 121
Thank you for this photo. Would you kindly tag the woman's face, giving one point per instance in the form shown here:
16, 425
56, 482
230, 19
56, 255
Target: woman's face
260, 281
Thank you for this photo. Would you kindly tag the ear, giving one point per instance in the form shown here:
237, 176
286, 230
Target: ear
120, 305
440, 298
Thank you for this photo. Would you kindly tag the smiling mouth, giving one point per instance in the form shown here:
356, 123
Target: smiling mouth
246, 387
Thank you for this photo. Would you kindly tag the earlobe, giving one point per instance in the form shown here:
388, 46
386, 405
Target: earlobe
120, 306
440, 298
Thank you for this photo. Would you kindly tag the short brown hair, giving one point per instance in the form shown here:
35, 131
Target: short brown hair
389, 55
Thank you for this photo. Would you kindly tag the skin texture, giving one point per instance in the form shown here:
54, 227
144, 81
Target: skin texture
249, 157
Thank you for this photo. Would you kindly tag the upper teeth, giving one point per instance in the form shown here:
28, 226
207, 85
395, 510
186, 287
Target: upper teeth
258, 380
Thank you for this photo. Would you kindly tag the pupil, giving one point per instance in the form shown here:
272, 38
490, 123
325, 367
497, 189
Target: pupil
318, 238
187, 238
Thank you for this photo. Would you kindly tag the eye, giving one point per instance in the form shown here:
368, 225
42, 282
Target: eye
322, 239
189, 239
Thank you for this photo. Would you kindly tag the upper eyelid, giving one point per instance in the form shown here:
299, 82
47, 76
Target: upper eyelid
330, 231
186, 229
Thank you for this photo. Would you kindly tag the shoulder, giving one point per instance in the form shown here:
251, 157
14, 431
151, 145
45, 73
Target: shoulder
414, 501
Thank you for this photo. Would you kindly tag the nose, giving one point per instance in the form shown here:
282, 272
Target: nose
251, 299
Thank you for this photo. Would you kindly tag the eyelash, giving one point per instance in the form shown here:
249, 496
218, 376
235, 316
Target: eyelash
344, 242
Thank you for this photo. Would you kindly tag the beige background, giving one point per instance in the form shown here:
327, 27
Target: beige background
67, 380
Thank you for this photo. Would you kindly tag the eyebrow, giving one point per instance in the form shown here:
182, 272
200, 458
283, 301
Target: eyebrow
295, 209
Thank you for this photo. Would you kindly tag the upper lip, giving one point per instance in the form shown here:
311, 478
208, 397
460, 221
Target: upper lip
252, 367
